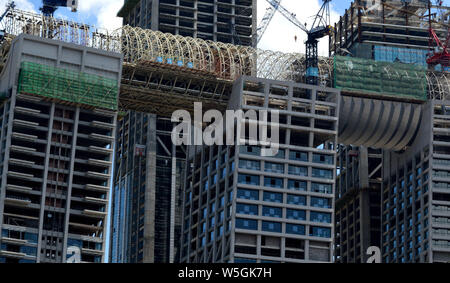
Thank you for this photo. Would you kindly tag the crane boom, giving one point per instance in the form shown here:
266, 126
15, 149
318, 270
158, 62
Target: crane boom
268, 16
288, 15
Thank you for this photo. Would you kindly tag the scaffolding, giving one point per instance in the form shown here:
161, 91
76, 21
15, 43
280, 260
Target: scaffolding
69, 86
151, 54
393, 80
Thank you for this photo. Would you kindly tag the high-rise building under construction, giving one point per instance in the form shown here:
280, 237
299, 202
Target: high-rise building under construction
394, 199
57, 115
147, 194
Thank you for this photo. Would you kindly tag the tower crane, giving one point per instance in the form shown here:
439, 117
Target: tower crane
50, 6
321, 27
10, 6
441, 54
268, 16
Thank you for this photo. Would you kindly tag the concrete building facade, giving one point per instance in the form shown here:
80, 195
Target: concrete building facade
147, 193
242, 207
415, 199
56, 153
228, 21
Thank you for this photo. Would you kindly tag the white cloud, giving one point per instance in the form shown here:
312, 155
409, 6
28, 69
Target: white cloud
105, 12
25, 5
280, 35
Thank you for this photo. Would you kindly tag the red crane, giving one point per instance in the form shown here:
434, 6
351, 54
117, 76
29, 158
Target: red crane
440, 55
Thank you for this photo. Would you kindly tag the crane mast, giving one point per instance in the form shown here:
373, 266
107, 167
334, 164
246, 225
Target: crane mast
321, 27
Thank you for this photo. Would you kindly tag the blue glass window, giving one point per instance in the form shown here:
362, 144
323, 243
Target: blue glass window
281, 154
321, 188
31, 238
295, 229
320, 202
323, 159
297, 185
274, 167
246, 224
248, 194
271, 227
249, 164
273, 183
296, 200
248, 179
298, 156
247, 209
296, 214
322, 173
250, 150
272, 212
273, 197
320, 232
320, 217
298, 170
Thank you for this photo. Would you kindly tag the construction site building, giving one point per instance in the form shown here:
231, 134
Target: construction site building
58, 118
228, 21
241, 206
146, 225
401, 225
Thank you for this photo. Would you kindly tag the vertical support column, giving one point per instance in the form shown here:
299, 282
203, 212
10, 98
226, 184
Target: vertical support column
150, 192
10, 114
44, 179
172, 204
364, 201
70, 182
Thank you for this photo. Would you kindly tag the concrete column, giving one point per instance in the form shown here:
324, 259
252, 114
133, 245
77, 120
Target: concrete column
44, 180
70, 182
150, 192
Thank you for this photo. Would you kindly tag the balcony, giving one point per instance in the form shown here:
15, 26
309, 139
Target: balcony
94, 214
20, 175
13, 241
101, 150
22, 149
12, 254
96, 200
90, 228
27, 124
97, 188
17, 202
102, 138
92, 252
24, 137
102, 125
27, 111
99, 162
98, 175
23, 163
19, 188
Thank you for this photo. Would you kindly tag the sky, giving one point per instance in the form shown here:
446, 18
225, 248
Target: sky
102, 14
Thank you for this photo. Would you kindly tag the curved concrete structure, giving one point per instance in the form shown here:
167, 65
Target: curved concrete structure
378, 123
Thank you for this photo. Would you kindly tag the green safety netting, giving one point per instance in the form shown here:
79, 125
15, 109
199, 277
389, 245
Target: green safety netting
67, 85
381, 78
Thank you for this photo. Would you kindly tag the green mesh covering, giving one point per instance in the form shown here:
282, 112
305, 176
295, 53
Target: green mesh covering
364, 76
70, 86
